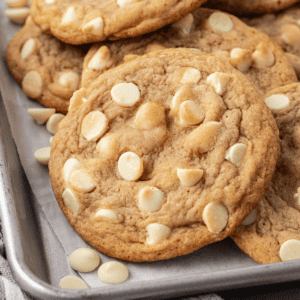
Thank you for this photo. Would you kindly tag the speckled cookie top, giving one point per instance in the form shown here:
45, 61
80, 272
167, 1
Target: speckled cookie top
49, 71
274, 233
224, 35
78, 22
163, 155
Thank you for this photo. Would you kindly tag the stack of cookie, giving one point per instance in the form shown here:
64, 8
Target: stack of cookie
174, 121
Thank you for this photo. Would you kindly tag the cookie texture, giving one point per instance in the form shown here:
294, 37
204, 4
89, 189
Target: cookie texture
275, 226
48, 70
247, 49
166, 154
78, 22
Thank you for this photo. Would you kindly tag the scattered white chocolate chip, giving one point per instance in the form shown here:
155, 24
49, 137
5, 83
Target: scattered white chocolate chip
218, 81
70, 200
130, 166
250, 218
241, 59
123, 3
236, 153
77, 99
51, 139
70, 17
41, 115
190, 113
113, 272
84, 260
16, 3
28, 48
108, 145
94, 125
150, 199
49, 1
154, 47
101, 59
185, 24
263, 57
17, 15
189, 177
125, 94
71, 165
72, 282
42, 155
81, 182
215, 216
52, 123
69, 80
291, 34
277, 102
190, 76
157, 233
149, 115
32, 84
290, 250
94, 27
220, 21
108, 213
183, 94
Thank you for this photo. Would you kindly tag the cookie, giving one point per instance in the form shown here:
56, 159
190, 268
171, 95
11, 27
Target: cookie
250, 7
79, 22
163, 155
48, 70
224, 35
271, 233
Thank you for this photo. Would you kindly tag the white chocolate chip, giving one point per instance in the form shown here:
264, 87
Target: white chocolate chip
71, 165
52, 123
70, 17
190, 76
49, 1
150, 199
72, 282
125, 94
81, 182
215, 216
183, 94
16, 3
149, 115
69, 80
94, 125
84, 260
130, 166
32, 84
17, 15
113, 272
291, 34
190, 113
218, 81
290, 250
250, 218
277, 102
101, 59
220, 21
41, 115
263, 57
189, 177
108, 146
42, 155
241, 59
236, 153
70, 200
108, 213
154, 47
28, 48
185, 24
77, 99
157, 233
123, 3
51, 139
94, 27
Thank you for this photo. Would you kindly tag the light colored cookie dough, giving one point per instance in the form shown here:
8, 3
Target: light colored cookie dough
48, 70
151, 187
271, 233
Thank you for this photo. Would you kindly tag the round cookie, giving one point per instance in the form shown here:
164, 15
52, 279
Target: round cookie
167, 153
48, 70
78, 22
272, 233
224, 35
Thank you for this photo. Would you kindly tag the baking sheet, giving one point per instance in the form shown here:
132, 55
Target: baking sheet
218, 266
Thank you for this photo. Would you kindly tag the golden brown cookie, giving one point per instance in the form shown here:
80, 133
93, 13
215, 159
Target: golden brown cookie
48, 70
224, 35
78, 22
271, 233
163, 155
